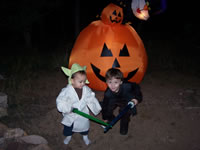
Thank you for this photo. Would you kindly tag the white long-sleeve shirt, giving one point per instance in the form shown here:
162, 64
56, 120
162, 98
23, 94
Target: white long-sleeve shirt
68, 99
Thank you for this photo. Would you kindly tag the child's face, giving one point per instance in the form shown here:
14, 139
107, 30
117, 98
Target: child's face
114, 84
78, 81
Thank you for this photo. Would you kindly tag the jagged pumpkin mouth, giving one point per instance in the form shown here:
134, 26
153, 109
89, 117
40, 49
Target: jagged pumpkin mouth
116, 20
102, 78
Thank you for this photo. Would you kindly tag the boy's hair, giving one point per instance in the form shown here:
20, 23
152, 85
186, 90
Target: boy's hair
82, 72
114, 73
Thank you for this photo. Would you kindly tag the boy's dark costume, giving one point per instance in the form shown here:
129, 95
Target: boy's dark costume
112, 100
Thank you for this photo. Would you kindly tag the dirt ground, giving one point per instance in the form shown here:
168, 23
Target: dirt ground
168, 117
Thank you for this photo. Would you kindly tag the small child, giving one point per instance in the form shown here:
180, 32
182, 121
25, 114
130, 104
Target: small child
76, 95
118, 94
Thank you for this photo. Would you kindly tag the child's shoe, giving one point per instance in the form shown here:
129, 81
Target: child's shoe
86, 140
67, 139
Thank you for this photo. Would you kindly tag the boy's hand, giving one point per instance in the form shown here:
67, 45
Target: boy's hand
135, 101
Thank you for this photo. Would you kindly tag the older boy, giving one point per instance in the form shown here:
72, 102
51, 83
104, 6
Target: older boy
118, 94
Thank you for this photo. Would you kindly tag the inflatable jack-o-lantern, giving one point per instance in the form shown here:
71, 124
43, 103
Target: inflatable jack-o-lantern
107, 43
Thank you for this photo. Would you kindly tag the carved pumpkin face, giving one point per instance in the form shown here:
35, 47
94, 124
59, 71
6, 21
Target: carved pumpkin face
101, 46
112, 14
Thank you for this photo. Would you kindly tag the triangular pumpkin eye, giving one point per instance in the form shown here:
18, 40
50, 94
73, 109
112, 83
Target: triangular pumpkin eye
106, 52
124, 51
119, 15
115, 13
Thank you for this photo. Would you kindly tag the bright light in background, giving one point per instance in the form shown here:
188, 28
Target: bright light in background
143, 15
140, 9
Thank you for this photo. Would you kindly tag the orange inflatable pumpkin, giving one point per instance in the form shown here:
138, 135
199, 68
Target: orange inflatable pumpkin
107, 43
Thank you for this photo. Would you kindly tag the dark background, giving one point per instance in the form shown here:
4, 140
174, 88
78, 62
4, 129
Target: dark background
56, 20
44, 25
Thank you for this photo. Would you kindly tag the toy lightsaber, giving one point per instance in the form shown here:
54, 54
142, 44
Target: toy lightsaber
75, 110
130, 105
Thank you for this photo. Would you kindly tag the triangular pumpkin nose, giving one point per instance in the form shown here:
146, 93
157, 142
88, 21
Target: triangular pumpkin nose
116, 64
